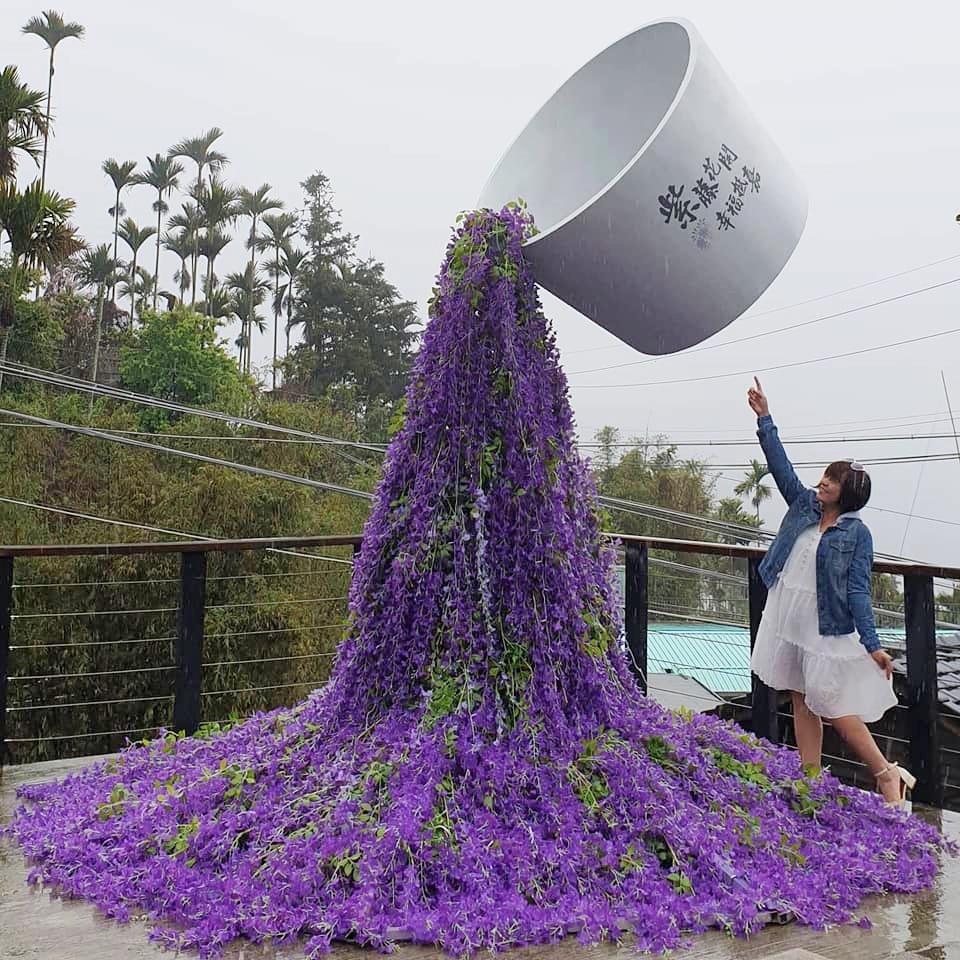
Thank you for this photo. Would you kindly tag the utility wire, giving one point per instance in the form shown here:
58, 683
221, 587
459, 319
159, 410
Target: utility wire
217, 461
913, 419
803, 303
752, 441
778, 366
76, 515
658, 442
25, 372
218, 437
770, 333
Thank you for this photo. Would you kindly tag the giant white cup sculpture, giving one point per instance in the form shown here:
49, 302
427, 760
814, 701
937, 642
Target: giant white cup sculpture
664, 209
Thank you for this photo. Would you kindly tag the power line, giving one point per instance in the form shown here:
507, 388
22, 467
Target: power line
914, 419
770, 333
189, 455
658, 441
77, 515
699, 522
25, 372
803, 303
779, 366
752, 441
867, 461
222, 438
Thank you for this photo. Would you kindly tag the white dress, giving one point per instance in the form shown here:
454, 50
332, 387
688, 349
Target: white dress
836, 675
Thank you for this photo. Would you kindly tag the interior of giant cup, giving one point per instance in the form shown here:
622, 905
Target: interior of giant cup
593, 126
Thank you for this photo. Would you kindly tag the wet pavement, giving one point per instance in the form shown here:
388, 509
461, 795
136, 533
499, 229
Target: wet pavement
36, 926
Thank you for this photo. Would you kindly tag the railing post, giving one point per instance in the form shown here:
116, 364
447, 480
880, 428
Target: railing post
6, 616
636, 610
922, 697
763, 700
189, 643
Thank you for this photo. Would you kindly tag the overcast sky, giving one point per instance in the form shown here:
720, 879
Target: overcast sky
408, 106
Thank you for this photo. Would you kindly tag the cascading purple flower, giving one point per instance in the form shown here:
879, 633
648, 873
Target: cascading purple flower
480, 771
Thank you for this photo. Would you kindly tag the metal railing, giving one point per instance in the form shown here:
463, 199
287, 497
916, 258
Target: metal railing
193, 612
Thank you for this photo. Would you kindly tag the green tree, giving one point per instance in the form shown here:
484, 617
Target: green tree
190, 224
39, 342
163, 174
52, 29
730, 510
321, 281
181, 245
608, 442
254, 204
139, 286
177, 356
293, 262
36, 223
97, 269
219, 207
122, 175
280, 231
134, 237
752, 485
200, 151
357, 331
22, 122
222, 305
947, 606
249, 289
887, 600
248, 594
212, 244
651, 474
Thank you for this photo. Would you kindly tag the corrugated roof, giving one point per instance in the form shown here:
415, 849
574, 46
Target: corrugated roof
718, 657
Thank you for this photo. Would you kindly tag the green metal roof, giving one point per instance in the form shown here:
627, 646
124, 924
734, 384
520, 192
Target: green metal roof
716, 656
719, 656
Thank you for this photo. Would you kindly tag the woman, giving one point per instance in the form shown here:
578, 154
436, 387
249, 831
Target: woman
817, 637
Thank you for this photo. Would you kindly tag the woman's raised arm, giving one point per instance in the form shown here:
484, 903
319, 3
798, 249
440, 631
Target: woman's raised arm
788, 483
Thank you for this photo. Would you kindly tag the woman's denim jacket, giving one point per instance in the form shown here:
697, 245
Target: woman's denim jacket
844, 556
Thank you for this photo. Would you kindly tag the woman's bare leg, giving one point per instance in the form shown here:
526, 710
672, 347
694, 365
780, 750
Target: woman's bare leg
808, 728
858, 737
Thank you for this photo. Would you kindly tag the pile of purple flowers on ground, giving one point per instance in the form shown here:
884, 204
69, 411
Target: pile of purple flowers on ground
481, 770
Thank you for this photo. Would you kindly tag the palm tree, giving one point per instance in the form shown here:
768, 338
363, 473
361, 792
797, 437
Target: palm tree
163, 176
222, 305
292, 263
37, 228
250, 289
199, 150
219, 206
22, 122
752, 486
281, 229
51, 28
134, 237
181, 245
121, 175
212, 244
140, 288
97, 269
190, 222
254, 204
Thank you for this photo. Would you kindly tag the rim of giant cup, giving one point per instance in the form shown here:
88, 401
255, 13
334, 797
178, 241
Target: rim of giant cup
695, 41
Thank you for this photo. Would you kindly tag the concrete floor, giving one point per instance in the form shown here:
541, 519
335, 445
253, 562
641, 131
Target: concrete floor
36, 926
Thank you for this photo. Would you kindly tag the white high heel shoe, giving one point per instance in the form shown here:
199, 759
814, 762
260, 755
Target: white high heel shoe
907, 782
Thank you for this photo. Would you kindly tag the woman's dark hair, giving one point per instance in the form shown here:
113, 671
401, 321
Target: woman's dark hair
854, 484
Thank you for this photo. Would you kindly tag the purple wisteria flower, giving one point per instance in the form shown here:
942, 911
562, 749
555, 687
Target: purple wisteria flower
481, 770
